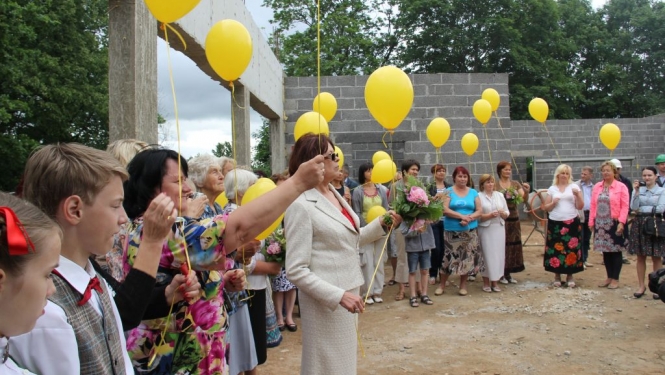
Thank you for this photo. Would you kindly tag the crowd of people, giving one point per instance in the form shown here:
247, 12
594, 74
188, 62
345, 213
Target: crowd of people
123, 261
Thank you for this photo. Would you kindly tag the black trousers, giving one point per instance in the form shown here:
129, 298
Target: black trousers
586, 237
436, 256
613, 264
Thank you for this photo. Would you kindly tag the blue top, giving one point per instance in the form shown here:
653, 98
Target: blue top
462, 205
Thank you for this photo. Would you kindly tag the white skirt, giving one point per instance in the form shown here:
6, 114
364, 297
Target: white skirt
493, 243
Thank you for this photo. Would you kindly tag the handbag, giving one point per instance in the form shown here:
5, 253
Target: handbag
654, 225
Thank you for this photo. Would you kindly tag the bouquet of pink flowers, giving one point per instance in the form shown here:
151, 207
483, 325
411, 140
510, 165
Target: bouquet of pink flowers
275, 247
415, 205
512, 195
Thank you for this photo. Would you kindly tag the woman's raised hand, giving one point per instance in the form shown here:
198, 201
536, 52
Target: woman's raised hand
309, 174
158, 218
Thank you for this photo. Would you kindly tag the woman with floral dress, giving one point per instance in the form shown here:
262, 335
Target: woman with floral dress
192, 339
607, 218
562, 246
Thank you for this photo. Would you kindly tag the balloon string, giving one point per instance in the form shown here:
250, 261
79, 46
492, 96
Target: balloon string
177, 123
162, 339
318, 62
164, 26
232, 87
510, 150
383, 139
552, 142
488, 148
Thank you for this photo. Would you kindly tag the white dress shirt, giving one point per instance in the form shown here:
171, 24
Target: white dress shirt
9, 367
51, 347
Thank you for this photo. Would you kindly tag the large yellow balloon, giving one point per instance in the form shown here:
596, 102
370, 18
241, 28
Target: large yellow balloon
482, 111
469, 143
438, 132
229, 49
610, 135
539, 110
340, 155
493, 97
310, 122
374, 212
383, 171
168, 11
378, 156
221, 200
260, 187
326, 104
389, 96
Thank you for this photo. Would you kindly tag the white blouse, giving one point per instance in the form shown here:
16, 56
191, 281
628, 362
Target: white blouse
496, 202
9, 367
565, 209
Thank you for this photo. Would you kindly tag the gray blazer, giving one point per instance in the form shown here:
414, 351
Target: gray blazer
357, 201
322, 247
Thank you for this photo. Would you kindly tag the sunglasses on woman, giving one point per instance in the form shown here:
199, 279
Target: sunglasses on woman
334, 156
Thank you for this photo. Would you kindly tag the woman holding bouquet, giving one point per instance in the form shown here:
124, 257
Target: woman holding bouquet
324, 234
462, 252
563, 254
365, 197
514, 193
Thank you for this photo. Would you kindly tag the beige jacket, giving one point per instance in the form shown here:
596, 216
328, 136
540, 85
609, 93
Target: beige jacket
322, 257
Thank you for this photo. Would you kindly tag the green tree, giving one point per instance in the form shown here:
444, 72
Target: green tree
355, 36
262, 155
223, 149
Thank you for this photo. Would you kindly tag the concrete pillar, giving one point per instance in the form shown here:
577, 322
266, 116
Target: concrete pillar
240, 107
132, 71
278, 162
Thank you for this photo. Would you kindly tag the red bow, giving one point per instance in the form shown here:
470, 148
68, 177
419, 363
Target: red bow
93, 284
17, 238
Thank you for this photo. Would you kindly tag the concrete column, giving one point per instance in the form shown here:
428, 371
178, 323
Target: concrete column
240, 107
278, 162
132, 71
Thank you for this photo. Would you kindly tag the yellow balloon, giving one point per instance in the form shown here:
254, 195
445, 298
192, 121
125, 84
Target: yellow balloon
168, 11
229, 49
389, 96
482, 111
438, 132
539, 110
374, 212
310, 122
469, 143
221, 200
378, 156
610, 135
260, 187
340, 155
326, 104
493, 97
383, 171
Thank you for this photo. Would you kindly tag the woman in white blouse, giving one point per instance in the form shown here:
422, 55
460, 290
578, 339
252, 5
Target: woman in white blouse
492, 233
562, 247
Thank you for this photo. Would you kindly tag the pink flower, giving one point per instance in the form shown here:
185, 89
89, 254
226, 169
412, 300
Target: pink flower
418, 196
554, 262
568, 222
274, 248
206, 312
417, 225
564, 230
572, 244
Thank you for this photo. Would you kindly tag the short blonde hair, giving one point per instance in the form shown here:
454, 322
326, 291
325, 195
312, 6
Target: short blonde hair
58, 171
608, 163
560, 169
199, 167
125, 149
484, 178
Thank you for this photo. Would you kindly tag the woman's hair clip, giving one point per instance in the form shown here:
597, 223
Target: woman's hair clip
18, 241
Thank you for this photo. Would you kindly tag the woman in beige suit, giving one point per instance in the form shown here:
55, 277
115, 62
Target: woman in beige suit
323, 236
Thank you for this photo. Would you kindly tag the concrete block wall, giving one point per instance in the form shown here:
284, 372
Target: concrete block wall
450, 96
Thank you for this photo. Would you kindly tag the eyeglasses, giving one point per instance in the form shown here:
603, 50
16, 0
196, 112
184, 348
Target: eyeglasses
334, 156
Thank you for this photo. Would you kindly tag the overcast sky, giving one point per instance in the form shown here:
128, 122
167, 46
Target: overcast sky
203, 105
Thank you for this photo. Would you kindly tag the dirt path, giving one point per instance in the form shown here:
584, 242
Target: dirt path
529, 328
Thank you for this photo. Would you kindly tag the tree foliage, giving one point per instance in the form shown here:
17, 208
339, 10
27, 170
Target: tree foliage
262, 156
223, 149
53, 76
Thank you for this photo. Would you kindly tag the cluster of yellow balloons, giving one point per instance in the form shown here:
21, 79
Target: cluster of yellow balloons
384, 168
610, 135
389, 96
260, 187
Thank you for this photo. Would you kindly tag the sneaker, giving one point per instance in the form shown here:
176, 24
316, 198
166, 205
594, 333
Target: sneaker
587, 264
503, 280
370, 301
512, 280
378, 299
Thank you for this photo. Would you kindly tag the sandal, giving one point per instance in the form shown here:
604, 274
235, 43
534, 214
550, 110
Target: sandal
432, 280
496, 289
399, 296
438, 291
556, 284
392, 282
426, 300
487, 289
571, 284
413, 301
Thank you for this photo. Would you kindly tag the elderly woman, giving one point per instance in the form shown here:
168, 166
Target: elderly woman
491, 232
206, 174
563, 253
365, 197
510, 189
648, 201
198, 325
462, 252
437, 189
607, 219
324, 234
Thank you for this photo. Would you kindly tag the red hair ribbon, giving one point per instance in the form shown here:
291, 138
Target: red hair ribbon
18, 240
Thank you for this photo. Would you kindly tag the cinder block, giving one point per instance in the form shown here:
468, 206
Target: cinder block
307, 82
426, 101
353, 92
356, 114
345, 104
468, 89
428, 79
420, 90
299, 93
441, 90
455, 78
342, 81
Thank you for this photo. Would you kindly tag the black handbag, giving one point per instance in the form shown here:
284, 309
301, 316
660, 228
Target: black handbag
654, 225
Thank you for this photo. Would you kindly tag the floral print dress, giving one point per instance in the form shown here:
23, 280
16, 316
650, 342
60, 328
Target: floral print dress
605, 239
563, 252
192, 339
